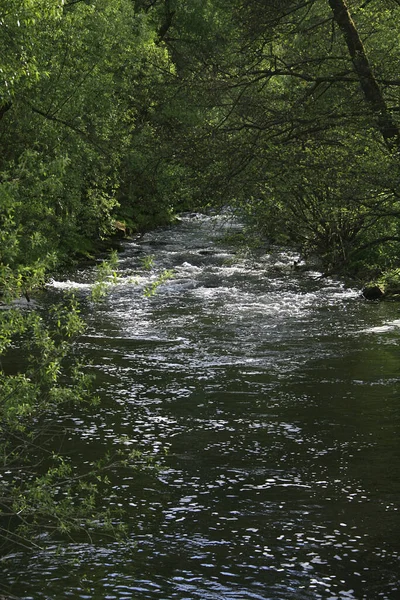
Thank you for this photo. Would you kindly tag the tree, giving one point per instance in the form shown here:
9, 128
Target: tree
369, 85
82, 103
294, 137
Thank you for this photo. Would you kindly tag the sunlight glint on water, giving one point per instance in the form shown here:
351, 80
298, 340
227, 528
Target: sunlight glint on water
275, 393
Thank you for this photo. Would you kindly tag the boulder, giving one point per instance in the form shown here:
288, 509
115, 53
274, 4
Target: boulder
372, 292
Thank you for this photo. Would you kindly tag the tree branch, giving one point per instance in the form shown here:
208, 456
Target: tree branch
77, 130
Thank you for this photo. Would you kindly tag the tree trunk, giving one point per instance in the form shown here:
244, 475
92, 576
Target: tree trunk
370, 88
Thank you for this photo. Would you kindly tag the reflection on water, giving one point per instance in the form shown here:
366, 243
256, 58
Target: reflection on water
271, 397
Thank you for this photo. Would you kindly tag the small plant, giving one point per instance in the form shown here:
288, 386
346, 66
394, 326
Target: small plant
151, 288
105, 277
147, 262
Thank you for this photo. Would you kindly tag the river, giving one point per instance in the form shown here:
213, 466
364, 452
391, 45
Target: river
271, 397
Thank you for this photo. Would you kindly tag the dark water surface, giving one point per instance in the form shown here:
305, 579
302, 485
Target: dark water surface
276, 396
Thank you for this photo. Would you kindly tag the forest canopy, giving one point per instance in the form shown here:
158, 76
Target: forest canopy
120, 114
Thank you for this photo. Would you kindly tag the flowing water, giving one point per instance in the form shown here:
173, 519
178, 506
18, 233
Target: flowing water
271, 397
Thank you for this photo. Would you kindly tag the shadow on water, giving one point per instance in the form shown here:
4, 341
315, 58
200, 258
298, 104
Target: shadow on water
271, 398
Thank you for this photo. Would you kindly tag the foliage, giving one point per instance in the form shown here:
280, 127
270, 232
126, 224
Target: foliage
39, 487
79, 106
295, 139
130, 111
106, 275
43, 490
388, 283
152, 288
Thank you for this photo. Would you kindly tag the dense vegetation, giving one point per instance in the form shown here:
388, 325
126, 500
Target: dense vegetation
117, 114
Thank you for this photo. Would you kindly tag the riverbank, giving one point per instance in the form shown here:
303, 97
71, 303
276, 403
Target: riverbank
386, 287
